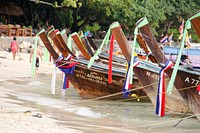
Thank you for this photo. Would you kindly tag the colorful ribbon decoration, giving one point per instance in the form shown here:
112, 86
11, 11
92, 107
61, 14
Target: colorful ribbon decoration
104, 42
198, 88
110, 59
53, 81
65, 81
127, 84
160, 104
66, 69
173, 77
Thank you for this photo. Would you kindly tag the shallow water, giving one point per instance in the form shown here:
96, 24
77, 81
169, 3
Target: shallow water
93, 116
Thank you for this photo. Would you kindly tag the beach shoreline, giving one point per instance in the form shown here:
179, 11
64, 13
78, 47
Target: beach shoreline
15, 116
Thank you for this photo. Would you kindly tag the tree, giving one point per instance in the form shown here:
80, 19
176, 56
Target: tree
77, 15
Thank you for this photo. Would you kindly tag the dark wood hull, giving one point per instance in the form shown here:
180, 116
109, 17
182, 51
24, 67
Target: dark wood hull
186, 83
93, 83
148, 76
184, 78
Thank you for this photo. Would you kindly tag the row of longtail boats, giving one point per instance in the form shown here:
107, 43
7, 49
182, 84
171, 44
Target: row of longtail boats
99, 75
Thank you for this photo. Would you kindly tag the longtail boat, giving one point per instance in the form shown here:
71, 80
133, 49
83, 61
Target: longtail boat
82, 44
148, 73
93, 82
186, 80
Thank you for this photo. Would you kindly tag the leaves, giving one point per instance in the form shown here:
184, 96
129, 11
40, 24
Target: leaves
71, 3
162, 15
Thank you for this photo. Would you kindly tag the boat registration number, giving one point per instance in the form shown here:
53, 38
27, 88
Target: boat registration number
192, 81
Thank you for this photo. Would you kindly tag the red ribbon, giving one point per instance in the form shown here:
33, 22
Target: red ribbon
198, 88
110, 59
67, 83
160, 102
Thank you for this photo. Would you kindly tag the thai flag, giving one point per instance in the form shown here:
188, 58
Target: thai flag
170, 38
181, 27
160, 104
164, 40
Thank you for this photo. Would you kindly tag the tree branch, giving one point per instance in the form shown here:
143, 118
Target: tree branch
47, 3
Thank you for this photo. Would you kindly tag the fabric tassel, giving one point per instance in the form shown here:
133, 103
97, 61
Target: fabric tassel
198, 88
105, 41
127, 84
160, 104
110, 59
65, 82
66, 69
53, 81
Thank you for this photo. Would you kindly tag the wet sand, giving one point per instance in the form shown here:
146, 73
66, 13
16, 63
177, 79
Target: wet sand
13, 115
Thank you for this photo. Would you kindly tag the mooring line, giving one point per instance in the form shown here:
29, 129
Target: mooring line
181, 119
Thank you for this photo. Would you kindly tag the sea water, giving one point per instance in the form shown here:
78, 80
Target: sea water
96, 116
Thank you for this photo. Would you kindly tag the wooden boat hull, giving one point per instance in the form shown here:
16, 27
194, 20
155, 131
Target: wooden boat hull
184, 80
93, 83
186, 83
148, 76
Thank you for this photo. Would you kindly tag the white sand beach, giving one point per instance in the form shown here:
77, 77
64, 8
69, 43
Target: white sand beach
13, 118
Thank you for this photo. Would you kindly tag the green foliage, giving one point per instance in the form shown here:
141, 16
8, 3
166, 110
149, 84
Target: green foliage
56, 4
175, 32
71, 3
93, 28
164, 16
194, 36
